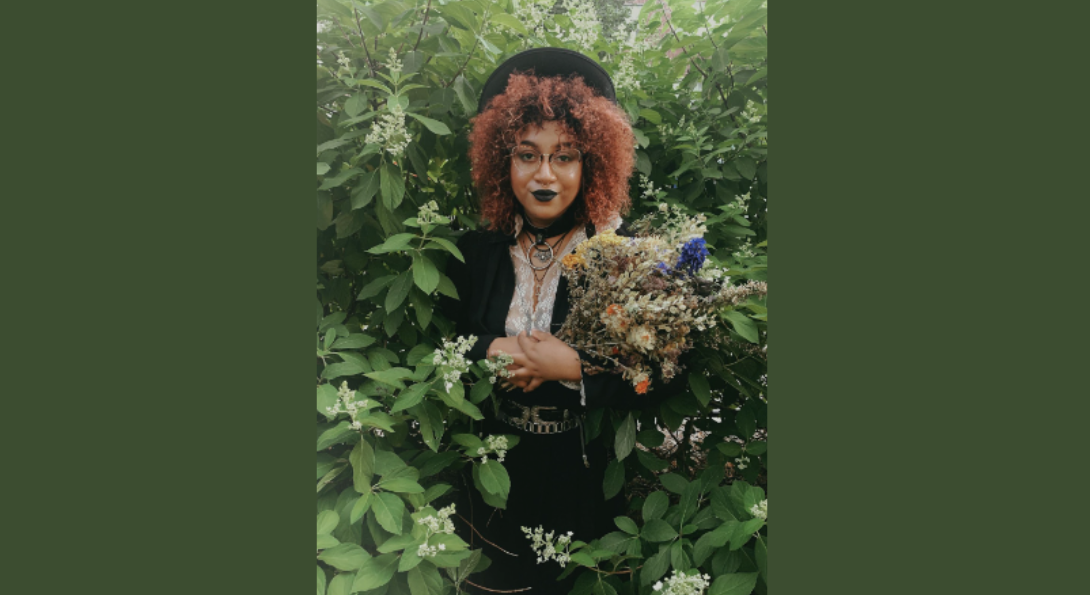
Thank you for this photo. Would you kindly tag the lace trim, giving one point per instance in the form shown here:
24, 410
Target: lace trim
522, 316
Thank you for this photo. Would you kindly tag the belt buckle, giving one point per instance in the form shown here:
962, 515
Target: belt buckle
533, 413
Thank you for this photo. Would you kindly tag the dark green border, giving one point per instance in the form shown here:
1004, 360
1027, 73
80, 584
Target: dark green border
925, 432
158, 244
159, 241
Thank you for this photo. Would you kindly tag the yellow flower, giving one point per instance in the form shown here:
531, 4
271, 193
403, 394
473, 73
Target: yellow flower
573, 260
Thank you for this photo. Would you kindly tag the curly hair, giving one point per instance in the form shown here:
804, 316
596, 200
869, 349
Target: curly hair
600, 130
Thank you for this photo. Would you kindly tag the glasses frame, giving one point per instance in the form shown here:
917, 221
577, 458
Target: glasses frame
522, 165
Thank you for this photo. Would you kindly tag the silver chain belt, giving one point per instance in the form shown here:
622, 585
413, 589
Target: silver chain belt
529, 421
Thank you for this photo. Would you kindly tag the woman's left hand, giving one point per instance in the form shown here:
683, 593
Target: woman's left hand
544, 357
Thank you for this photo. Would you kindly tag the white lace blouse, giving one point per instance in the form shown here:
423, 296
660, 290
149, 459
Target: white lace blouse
522, 316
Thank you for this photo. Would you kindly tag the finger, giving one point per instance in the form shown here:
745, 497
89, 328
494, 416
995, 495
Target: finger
520, 359
542, 335
534, 383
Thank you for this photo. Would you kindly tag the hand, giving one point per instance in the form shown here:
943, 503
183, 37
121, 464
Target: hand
544, 357
510, 346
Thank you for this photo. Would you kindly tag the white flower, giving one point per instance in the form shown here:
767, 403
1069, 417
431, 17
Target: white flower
642, 337
451, 359
545, 549
429, 215
392, 62
760, 510
390, 131
684, 584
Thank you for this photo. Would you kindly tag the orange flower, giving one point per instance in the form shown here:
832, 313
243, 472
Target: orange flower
641, 388
613, 310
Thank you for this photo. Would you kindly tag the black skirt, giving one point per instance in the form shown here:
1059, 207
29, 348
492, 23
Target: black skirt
552, 488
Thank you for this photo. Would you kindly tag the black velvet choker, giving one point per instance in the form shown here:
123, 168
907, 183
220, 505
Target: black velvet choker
559, 227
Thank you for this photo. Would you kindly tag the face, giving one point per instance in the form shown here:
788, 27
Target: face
555, 190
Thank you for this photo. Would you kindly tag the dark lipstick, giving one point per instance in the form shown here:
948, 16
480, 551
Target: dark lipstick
543, 195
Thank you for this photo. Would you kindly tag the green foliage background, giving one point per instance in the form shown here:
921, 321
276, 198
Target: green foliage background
700, 119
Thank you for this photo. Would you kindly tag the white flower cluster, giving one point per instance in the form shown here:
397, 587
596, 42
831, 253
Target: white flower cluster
678, 228
745, 251
751, 114
682, 584
429, 215
545, 549
649, 191
440, 523
393, 63
533, 14
740, 202
497, 366
452, 357
390, 131
496, 445
760, 510
624, 80
343, 60
349, 405
741, 461
585, 26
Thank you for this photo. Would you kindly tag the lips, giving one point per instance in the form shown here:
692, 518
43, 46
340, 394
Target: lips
544, 195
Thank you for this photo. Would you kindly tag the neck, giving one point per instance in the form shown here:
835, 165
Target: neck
553, 228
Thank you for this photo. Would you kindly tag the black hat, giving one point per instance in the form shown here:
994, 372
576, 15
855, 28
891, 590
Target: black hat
548, 62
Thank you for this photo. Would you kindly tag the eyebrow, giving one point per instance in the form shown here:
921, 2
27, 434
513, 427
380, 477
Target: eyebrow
534, 145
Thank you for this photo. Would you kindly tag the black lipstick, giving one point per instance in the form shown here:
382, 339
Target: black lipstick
543, 195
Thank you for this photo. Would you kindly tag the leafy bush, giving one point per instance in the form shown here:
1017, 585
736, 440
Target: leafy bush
397, 84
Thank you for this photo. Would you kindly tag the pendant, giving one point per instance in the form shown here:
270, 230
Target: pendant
543, 255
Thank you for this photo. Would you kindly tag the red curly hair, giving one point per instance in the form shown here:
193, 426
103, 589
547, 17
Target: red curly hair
600, 130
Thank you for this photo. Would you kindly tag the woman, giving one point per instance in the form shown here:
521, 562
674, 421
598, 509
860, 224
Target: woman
551, 156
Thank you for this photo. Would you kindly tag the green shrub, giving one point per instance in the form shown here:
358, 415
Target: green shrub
397, 84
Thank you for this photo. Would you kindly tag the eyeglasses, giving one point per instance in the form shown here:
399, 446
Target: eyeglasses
528, 159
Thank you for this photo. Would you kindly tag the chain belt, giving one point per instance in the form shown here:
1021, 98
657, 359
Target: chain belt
529, 420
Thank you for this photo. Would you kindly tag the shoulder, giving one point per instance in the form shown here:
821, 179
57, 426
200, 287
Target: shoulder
478, 241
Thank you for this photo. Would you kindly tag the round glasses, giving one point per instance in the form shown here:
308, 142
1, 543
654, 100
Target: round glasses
528, 159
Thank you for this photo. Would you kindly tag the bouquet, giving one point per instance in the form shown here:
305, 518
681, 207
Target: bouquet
639, 303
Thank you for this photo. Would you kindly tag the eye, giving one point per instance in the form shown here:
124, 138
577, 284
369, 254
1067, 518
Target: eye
528, 156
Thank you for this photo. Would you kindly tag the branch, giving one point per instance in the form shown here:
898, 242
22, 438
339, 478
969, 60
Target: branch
363, 42
671, 24
464, 64
494, 590
485, 540
422, 25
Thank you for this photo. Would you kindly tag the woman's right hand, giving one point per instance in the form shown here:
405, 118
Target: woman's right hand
510, 346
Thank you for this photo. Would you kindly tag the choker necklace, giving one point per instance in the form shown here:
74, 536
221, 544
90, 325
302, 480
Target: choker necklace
542, 250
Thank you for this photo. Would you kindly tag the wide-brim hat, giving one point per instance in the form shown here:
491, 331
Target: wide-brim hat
548, 62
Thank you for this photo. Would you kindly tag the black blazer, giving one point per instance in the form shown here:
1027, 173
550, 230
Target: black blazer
486, 286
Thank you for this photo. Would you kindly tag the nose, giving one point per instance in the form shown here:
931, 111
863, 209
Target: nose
544, 172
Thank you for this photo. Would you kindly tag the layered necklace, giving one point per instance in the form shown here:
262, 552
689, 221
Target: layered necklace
540, 253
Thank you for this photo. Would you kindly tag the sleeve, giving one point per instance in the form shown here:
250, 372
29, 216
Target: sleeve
458, 310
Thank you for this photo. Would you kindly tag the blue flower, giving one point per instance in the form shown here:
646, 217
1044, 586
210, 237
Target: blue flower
692, 256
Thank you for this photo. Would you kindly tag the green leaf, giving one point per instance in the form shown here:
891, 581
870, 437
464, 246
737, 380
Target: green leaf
321, 581
410, 397
417, 585
655, 505
393, 243
699, 383
614, 479
398, 291
375, 572
480, 391
327, 396
327, 521
446, 287
363, 466
626, 438
743, 325
744, 531
433, 125
449, 247
761, 551
510, 22
712, 541
658, 530
731, 449
466, 95
627, 525
651, 462
322, 168
674, 482
325, 540
402, 485
346, 556
341, 584
424, 273
392, 186
375, 287
494, 478
365, 190
355, 105
388, 510
643, 163
641, 138
362, 505
758, 447
334, 435
353, 341
392, 377
340, 178
734, 584
655, 566
651, 116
